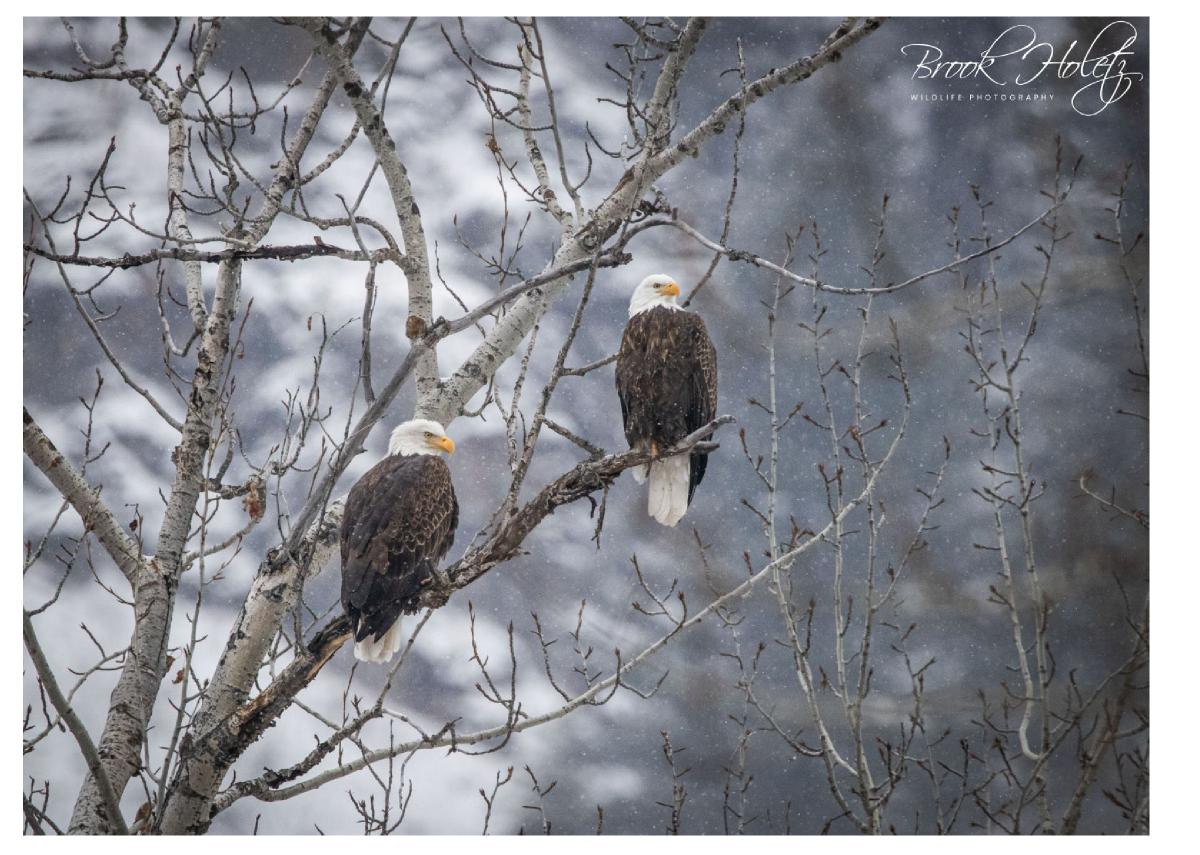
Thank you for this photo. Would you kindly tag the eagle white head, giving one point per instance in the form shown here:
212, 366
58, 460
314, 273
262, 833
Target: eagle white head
420, 436
656, 290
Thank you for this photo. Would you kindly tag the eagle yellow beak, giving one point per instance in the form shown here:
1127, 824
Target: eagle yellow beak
445, 443
671, 289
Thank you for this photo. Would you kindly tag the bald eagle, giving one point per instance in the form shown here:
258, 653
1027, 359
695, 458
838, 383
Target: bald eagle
667, 382
398, 524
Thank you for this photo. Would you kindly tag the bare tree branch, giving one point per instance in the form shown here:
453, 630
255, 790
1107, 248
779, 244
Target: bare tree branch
83, 498
112, 806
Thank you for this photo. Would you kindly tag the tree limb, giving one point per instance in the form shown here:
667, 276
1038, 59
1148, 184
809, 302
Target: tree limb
67, 713
83, 498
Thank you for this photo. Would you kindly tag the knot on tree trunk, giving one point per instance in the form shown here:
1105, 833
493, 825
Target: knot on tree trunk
415, 327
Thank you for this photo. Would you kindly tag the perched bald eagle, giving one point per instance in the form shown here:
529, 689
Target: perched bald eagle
398, 524
667, 382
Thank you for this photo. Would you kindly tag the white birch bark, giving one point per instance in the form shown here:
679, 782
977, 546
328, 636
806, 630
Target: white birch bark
132, 701
133, 698
415, 261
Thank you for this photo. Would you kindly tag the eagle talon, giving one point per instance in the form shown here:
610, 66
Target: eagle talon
440, 589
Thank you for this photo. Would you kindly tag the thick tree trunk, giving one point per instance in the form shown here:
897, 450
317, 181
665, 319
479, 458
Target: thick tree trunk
132, 701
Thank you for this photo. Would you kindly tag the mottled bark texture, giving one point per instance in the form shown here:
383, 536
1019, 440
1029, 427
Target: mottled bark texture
154, 586
415, 262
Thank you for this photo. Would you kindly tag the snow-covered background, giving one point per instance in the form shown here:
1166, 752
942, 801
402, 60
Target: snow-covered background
827, 148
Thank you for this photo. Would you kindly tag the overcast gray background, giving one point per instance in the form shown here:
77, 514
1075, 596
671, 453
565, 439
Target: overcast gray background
827, 148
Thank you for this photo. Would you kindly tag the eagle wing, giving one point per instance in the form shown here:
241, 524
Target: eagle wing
640, 376
702, 385
398, 524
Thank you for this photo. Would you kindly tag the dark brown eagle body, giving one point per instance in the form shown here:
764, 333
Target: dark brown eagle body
667, 381
398, 524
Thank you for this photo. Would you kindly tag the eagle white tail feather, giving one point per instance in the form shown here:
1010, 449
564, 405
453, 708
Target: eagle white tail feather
639, 473
369, 650
668, 493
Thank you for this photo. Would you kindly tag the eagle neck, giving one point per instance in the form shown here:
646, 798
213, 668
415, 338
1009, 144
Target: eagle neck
636, 308
405, 448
